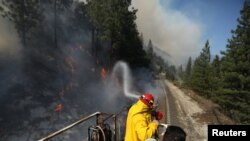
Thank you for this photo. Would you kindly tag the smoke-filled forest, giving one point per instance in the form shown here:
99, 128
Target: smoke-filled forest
58, 59
58, 55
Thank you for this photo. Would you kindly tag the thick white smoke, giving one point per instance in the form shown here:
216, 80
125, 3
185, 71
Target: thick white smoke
169, 30
9, 41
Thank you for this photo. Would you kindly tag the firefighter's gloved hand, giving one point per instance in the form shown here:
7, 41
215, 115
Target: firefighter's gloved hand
159, 115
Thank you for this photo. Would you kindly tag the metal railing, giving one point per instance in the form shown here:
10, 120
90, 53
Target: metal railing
96, 114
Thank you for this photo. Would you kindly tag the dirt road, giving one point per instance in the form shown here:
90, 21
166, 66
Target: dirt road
189, 111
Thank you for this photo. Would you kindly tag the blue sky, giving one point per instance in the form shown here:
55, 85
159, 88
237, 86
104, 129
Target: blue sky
217, 17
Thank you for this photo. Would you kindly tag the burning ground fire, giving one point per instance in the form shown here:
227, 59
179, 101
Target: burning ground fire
68, 86
71, 70
70, 65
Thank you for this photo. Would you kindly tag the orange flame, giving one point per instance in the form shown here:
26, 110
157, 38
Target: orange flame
58, 108
103, 73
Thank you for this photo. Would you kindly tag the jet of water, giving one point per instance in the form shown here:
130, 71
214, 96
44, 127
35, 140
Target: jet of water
126, 77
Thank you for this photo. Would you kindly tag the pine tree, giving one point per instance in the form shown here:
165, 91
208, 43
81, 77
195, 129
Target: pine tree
216, 66
180, 73
150, 50
236, 69
114, 24
201, 73
188, 69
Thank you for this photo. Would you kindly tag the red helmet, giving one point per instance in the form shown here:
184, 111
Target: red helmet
147, 99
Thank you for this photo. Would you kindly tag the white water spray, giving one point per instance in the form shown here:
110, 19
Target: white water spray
126, 78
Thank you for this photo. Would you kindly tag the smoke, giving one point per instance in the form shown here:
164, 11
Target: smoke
10, 57
169, 30
9, 41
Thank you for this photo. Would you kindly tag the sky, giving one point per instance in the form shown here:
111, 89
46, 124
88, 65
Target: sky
181, 27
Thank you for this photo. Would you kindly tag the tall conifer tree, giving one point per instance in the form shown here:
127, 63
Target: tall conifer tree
201, 73
236, 69
188, 69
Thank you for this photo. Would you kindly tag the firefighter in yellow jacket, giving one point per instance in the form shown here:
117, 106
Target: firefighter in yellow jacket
140, 124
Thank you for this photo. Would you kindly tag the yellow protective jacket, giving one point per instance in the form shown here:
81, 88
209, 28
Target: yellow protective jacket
139, 126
